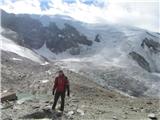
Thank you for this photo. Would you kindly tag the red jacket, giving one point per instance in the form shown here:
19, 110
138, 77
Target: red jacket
61, 83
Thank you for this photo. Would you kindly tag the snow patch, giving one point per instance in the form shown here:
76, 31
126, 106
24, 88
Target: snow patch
45, 52
60, 36
44, 81
16, 59
156, 74
45, 63
9, 45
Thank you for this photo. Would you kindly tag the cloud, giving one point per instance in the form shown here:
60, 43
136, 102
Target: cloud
21, 6
140, 13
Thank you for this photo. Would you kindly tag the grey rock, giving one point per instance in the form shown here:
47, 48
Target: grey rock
140, 60
97, 38
151, 44
115, 117
81, 112
9, 96
68, 37
152, 116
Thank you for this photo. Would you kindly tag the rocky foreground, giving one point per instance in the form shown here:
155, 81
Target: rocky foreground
32, 84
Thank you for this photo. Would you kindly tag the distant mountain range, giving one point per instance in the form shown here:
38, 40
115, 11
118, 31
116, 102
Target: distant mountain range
32, 34
111, 54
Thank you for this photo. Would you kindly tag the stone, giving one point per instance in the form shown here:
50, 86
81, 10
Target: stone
125, 117
35, 107
80, 111
70, 113
75, 100
8, 96
17, 108
149, 103
115, 118
152, 116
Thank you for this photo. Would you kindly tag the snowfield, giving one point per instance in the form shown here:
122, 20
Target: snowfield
9, 45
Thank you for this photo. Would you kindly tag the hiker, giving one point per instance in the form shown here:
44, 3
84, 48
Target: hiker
61, 85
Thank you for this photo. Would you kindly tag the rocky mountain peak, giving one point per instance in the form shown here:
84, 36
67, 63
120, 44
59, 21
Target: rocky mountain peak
33, 34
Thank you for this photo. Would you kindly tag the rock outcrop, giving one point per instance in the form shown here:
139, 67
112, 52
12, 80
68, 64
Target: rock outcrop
151, 44
59, 40
29, 30
140, 60
97, 38
31, 33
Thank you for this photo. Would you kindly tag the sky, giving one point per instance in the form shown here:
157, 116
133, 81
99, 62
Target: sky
139, 13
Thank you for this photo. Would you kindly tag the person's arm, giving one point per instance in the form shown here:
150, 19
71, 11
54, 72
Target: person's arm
55, 86
67, 87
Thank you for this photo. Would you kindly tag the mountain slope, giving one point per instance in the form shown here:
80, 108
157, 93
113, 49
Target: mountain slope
116, 42
33, 82
128, 55
118, 57
11, 46
34, 34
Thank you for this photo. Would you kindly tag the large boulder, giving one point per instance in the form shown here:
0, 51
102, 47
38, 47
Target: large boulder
152, 116
9, 96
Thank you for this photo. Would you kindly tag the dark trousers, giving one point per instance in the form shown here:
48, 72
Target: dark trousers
56, 97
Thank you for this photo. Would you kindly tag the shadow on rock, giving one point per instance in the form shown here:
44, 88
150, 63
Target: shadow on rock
45, 113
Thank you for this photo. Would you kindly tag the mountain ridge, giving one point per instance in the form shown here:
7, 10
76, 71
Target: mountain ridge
124, 53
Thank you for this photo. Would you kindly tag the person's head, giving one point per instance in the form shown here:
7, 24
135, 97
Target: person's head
60, 73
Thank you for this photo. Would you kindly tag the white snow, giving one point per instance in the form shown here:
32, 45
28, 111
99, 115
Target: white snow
45, 63
45, 52
16, 59
157, 74
4, 91
44, 81
49, 72
60, 36
9, 45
